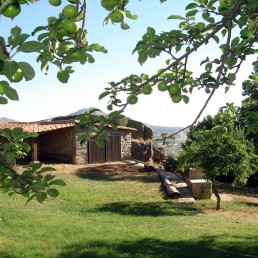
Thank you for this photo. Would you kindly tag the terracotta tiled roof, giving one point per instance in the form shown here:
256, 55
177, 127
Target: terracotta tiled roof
46, 126
38, 127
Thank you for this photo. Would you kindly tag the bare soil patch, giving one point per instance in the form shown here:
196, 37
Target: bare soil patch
110, 171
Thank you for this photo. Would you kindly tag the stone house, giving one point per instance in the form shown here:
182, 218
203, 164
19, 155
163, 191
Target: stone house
57, 142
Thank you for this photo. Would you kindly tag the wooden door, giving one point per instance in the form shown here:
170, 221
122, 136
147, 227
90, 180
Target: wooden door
113, 148
110, 153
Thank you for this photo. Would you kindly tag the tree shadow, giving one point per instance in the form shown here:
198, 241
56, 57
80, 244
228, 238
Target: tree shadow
208, 247
252, 204
5, 255
247, 191
117, 172
152, 209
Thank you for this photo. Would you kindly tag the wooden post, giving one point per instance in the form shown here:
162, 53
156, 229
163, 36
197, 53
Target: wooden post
34, 149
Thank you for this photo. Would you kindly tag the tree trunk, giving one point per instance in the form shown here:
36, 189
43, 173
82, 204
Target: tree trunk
216, 192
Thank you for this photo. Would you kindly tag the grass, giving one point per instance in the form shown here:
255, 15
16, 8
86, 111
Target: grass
116, 211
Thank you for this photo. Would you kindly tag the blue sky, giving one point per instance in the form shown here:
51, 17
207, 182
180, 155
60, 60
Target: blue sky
45, 97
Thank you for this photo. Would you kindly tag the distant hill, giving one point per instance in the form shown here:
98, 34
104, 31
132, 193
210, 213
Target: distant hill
157, 129
7, 120
83, 110
173, 146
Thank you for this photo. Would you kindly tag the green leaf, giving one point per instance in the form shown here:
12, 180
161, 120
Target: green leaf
3, 100
58, 182
98, 48
200, 26
16, 31
142, 58
231, 77
27, 70
48, 177
124, 26
8, 91
7, 133
231, 61
216, 38
30, 46
41, 197
206, 17
29, 135
192, 13
35, 166
185, 99
63, 76
246, 33
43, 35
175, 17
104, 94
235, 42
19, 40
208, 67
25, 146
10, 69
16, 132
37, 29
205, 61
52, 192
31, 198
47, 169
151, 31
191, 6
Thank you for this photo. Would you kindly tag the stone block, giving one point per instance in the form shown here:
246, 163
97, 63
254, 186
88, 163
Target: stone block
201, 188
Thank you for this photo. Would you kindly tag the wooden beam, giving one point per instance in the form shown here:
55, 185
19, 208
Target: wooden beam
34, 149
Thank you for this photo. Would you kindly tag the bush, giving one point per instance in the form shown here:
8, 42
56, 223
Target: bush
170, 163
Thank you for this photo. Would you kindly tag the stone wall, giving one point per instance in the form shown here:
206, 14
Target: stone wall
143, 133
142, 150
81, 155
142, 146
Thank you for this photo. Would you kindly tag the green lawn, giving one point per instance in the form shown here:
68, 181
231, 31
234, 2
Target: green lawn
120, 212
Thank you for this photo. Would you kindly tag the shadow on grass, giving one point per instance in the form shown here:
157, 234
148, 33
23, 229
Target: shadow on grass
252, 204
153, 209
247, 191
5, 255
117, 172
209, 246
